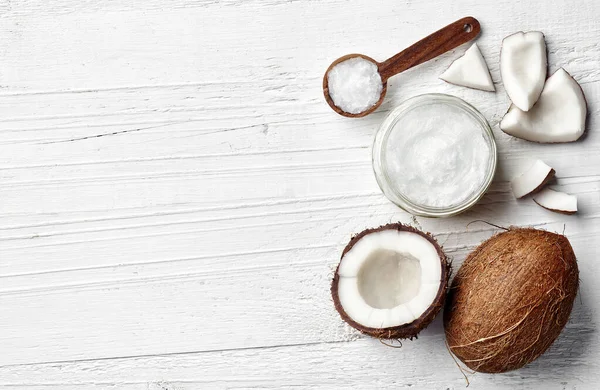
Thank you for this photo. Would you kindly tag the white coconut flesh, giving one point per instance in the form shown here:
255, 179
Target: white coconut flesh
523, 66
531, 179
389, 278
558, 116
556, 201
470, 71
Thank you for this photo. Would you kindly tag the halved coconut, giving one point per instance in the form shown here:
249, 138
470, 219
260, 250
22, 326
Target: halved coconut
559, 115
532, 180
523, 66
556, 201
391, 281
470, 71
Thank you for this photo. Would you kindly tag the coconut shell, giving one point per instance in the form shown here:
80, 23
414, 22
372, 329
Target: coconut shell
405, 331
510, 299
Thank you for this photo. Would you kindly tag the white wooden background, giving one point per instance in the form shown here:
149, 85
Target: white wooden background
174, 192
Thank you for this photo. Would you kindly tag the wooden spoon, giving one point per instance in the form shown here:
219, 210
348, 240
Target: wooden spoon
441, 41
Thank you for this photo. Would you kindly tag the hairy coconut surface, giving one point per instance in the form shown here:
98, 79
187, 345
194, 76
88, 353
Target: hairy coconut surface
510, 299
407, 330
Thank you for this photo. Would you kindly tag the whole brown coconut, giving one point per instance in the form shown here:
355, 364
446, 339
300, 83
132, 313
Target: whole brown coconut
510, 299
422, 319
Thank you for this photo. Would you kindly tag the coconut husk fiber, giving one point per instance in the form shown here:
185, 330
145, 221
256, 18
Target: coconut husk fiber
510, 299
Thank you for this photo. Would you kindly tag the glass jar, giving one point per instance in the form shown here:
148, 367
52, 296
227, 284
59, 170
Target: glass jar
396, 123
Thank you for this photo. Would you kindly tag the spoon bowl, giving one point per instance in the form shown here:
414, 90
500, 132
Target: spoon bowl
328, 98
440, 42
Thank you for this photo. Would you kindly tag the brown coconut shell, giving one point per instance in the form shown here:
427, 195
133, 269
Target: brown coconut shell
406, 331
510, 299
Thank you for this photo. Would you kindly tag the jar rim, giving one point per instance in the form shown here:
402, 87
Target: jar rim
378, 153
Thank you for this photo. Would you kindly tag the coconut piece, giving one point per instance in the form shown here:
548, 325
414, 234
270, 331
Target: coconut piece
556, 201
510, 299
523, 66
391, 281
470, 71
532, 180
558, 116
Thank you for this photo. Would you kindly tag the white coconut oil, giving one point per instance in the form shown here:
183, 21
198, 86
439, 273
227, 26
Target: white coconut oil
436, 154
354, 85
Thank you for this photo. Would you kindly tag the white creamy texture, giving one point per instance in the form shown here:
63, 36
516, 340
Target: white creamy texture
436, 155
354, 85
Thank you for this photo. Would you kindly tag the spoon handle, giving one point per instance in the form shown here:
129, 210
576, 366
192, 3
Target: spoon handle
441, 41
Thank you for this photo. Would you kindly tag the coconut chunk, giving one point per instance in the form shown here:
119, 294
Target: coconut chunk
470, 71
556, 201
523, 66
532, 180
558, 116
390, 281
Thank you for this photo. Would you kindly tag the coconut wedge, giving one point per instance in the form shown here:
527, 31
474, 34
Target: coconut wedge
391, 281
523, 66
470, 71
558, 116
532, 180
556, 201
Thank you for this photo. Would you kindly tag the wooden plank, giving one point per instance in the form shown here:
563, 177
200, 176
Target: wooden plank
422, 363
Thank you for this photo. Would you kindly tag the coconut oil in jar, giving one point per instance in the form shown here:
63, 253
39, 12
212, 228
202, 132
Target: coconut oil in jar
434, 155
